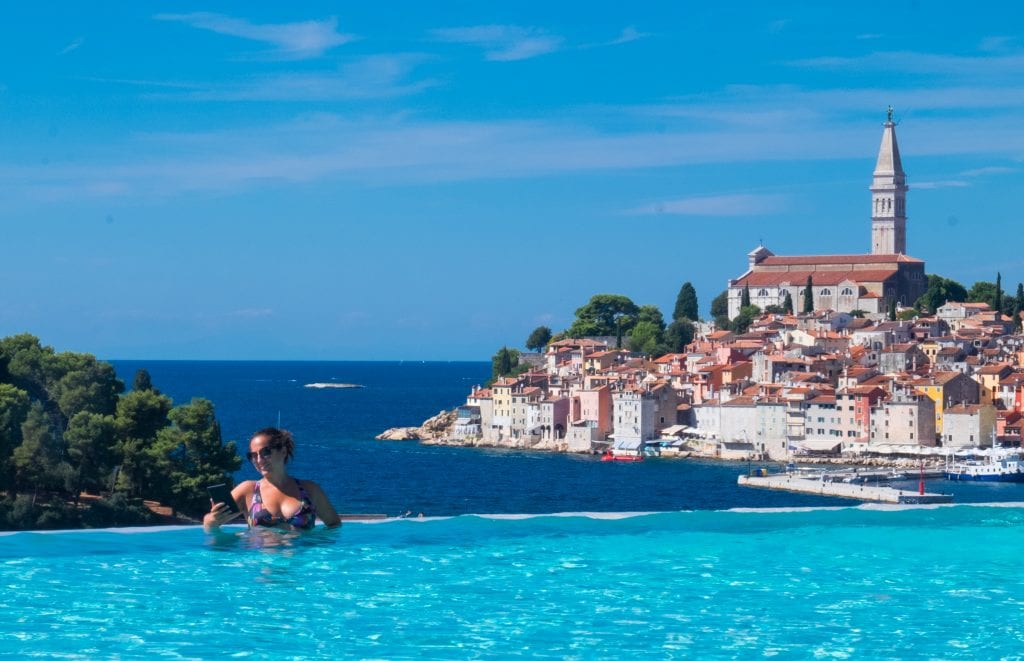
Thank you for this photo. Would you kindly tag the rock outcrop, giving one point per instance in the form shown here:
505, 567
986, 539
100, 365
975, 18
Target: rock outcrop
433, 429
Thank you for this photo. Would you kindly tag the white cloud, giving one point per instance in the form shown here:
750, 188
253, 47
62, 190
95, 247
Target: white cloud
991, 169
931, 185
995, 44
715, 205
301, 40
503, 43
74, 45
628, 34
375, 77
738, 125
968, 66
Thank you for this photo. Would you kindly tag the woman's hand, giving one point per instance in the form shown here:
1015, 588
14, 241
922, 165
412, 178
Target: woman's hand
218, 515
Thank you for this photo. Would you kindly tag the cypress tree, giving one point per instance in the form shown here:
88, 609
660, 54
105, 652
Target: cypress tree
892, 309
809, 296
787, 304
745, 297
686, 303
1018, 306
999, 293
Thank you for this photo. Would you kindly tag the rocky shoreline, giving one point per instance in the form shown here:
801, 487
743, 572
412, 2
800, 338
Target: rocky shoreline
437, 430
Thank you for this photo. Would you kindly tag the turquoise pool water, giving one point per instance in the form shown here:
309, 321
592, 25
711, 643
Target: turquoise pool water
852, 582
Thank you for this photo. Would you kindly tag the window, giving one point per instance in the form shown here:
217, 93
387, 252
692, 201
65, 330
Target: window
762, 292
846, 292
825, 292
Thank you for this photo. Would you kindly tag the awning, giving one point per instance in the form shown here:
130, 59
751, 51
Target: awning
673, 430
819, 444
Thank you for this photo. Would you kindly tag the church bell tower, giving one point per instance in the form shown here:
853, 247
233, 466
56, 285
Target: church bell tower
889, 197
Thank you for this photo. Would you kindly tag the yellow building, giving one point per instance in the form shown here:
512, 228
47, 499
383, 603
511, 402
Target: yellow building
947, 389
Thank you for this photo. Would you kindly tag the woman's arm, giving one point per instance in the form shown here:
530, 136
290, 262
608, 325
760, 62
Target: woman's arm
324, 509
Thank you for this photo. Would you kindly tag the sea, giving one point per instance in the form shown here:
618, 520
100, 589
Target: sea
518, 554
335, 428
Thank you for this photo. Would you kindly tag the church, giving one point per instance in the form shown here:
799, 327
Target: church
846, 282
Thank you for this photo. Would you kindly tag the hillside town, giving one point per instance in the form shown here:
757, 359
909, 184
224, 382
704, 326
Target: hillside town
842, 379
819, 384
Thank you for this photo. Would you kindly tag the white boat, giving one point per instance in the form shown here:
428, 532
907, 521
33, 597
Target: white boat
1005, 468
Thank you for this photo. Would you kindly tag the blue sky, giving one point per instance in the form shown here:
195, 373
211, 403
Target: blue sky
434, 180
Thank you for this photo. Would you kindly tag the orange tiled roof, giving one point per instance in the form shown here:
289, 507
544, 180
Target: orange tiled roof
818, 278
826, 260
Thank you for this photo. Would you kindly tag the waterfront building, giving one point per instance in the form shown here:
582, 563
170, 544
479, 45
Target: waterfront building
969, 425
633, 413
906, 418
867, 282
946, 389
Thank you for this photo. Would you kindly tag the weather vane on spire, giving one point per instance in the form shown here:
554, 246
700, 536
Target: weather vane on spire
890, 114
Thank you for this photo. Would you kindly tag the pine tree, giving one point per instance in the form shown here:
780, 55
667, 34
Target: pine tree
809, 296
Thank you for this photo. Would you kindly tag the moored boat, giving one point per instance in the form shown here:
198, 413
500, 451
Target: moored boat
1009, 468
612, 456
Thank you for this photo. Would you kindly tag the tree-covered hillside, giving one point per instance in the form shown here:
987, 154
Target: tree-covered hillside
77, 450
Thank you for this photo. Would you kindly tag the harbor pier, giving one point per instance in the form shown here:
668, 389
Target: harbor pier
820, 486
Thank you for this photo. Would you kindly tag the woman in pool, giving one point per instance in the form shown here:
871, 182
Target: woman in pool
276, 499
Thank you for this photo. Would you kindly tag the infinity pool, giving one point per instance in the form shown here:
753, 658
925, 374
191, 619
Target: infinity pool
848, 582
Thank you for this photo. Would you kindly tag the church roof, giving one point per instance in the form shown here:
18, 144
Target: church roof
824, 260
818, 278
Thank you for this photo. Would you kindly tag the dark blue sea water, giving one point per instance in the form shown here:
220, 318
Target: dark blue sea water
335, 429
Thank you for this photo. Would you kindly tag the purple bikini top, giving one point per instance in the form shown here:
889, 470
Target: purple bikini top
304, 519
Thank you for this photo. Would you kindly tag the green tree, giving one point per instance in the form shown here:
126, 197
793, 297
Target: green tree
141, 414
809, 296
983, 292
998, 298
745, 296
539, 338
892, 309
504, 362
91, 439
79, 382
686, 303
37, 461
14, 406
720, 304
645, 337
1018, 306
679, 334
651, 314
939, 292
605, 314
741, 322
142, 381
24, 360
190, 455
787, 304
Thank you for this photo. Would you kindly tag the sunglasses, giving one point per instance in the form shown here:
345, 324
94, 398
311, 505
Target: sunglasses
262, 453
